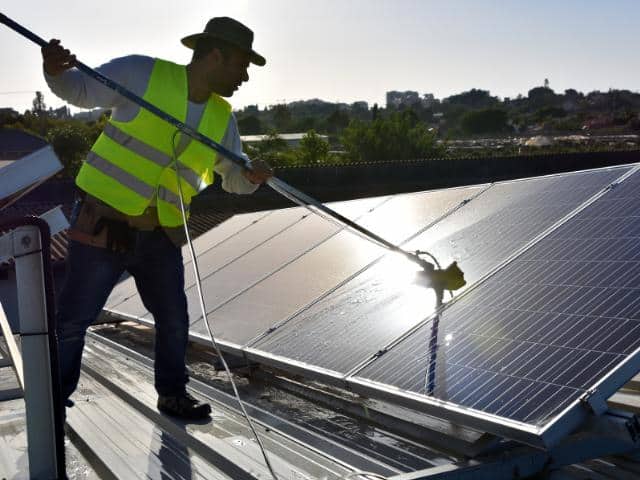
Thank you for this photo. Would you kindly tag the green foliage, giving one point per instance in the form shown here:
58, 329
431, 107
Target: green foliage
250, 125
313, 149
337, 121
397, 137
281, 117
550, 112
71, 141
539, 97
565, 125
489, 120
272, 149
473, 98
305, 124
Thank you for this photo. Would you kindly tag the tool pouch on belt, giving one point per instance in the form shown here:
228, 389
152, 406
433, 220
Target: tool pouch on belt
92, 226
120, 237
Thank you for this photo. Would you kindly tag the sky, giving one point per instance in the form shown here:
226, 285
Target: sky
348, 50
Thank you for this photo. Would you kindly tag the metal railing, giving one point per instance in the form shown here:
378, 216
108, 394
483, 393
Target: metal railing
27, 242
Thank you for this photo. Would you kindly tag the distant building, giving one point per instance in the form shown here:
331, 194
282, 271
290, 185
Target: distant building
397, 99
409, 98
61, 113
292, 139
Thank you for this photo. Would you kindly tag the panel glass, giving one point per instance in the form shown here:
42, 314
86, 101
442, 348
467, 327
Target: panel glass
244, 241
542, 331
361, 317
326, 266
508, 216
253, 255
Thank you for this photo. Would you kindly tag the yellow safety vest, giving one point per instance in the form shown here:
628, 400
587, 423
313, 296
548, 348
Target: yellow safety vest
131, 162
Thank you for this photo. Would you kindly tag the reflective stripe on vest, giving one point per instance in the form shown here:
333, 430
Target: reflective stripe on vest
150, 153
141, 148
125, 178
131, 162
171, 198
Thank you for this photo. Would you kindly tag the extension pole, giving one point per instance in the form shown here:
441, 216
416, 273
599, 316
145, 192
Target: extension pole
273, 182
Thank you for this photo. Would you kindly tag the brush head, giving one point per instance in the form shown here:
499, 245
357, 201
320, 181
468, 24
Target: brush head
451, 278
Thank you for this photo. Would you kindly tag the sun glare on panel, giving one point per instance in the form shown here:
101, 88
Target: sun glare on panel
403, 275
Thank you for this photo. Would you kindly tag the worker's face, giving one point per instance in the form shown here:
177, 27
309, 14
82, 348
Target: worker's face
228, 73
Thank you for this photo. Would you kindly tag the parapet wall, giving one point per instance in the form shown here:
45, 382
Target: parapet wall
343, 182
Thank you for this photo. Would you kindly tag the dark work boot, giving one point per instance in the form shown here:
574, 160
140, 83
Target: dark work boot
183, 406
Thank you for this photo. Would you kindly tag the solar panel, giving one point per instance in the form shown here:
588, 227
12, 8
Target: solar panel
361, 317
286, 291
558, 323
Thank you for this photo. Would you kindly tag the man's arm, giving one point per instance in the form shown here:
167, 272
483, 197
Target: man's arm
234, 178
77, 88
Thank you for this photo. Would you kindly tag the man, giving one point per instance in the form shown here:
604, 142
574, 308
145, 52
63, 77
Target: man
129, 217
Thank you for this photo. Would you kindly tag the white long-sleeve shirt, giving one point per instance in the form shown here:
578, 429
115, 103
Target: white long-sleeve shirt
133, 72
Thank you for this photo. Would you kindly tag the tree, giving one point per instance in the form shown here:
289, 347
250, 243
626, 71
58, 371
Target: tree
337, 121
313, 149
272, 148
250, 125
397, 137
71, 141
305, 124
541, 97
550, 112
473, 98
281, 117
39, 107
374, 112
489, 120
36, 120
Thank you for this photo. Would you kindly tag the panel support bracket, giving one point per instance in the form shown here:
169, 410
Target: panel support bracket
595, 401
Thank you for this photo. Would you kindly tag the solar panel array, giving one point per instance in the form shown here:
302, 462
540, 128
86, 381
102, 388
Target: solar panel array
291, 289
541, 332
385, 301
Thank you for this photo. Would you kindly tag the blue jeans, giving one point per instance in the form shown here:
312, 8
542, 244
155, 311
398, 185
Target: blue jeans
156, 265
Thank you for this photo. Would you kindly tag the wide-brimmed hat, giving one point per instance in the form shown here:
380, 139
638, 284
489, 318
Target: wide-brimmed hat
230, 31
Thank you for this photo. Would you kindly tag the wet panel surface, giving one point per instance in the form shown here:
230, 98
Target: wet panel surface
365, 314
284, 293
542, 331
